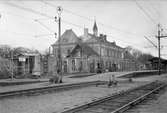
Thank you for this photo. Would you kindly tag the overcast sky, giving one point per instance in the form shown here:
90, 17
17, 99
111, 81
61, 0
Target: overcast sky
125, 22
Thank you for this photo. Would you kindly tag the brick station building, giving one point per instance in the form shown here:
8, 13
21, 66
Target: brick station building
88, 52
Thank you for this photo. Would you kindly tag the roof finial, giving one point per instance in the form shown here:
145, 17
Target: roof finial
94, 18
95, 29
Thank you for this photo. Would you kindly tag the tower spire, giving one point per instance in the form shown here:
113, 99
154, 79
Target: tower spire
95, 29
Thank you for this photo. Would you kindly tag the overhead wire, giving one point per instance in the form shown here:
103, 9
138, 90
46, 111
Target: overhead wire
46, 27
68, 11
89, 19
44, 35
106, 26
148, 7
155, 9
150, 18
151, 42
50, 17
127, 42
29, 10
146, 13
76, 25
13, 32
13, 14
45, 15
31, 19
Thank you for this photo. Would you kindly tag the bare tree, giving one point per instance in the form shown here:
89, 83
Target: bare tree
138, 55
7, 68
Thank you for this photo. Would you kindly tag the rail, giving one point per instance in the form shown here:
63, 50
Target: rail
117, 95
136, 101
50, 88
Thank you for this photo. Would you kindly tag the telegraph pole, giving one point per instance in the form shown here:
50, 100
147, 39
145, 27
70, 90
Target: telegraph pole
11, 64
159, 49
59, 10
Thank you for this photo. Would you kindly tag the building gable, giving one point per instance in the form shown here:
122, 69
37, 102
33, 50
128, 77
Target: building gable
68, 37
81, 50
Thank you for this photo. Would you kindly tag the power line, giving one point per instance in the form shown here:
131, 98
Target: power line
50, 17
13, 32
44, 26
151, 42
33, 20
67, 22
20, 16
44, 35
84, 17
68, 11
155, 9
29, 10
148, 9
41, 14
134, 44
142, 9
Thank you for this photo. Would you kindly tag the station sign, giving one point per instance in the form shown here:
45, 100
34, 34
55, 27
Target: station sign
22, 59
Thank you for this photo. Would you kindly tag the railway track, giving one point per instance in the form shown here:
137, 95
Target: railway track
49, 89
119, 103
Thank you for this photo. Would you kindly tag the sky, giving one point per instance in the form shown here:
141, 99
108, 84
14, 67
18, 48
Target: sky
31, 23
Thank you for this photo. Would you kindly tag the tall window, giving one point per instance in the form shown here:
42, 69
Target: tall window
107, 52
73, 65
55, 52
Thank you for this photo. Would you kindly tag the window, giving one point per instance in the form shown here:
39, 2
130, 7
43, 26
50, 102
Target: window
107, 64
107, 52
65, 40
73, 65
68, 51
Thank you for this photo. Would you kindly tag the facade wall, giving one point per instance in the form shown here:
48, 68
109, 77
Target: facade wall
30, 65
111, 57
65, 49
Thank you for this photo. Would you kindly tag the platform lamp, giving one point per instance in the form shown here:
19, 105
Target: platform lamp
59, 11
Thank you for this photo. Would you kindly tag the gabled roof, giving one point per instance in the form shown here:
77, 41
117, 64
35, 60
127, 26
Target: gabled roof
93, 38
68, 37
85, 50
90, 38
128, 55
155, 59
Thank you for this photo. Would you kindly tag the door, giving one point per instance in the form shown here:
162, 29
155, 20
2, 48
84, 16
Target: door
65, 66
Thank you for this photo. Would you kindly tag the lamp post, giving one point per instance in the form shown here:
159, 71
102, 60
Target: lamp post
11, 65
59, 11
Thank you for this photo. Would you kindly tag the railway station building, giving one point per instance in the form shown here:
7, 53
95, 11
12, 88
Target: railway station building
88, 52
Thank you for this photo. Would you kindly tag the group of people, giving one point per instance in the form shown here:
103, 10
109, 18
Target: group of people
112, 82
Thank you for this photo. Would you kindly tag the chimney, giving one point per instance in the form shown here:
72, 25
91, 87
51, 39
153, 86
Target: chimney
101, 35
105, 37
86, 32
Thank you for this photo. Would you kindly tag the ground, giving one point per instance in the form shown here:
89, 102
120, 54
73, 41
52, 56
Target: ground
60, 101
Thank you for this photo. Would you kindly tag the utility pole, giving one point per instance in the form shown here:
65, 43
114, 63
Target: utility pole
100, 60
159, 49
59, 10
11, 64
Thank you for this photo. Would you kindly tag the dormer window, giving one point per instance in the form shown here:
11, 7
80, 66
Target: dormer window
65, 40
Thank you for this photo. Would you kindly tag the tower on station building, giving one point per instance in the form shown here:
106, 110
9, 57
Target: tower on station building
95, 29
